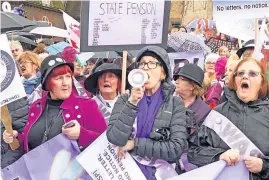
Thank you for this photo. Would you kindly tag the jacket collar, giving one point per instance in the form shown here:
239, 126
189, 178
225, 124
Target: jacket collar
168, 90
237, 104
67, 103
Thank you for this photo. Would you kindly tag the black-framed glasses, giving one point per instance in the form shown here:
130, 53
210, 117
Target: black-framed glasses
250, 73
150, 65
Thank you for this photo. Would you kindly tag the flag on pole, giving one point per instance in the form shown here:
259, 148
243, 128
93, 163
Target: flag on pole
73, 28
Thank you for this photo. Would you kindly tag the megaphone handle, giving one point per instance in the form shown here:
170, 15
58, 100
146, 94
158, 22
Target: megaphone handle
7, 122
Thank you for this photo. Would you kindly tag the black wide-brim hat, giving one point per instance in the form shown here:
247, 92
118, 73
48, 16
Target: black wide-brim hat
48, 64
192, 72
91, 83
248, 45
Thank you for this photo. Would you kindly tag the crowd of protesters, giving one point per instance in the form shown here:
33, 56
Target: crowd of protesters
161, 120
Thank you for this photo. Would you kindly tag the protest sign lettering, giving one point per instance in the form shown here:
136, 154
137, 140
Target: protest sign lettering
179, 59
123, 25
105, 164
231, 135
231, 10
54, 159
11, 86
215, 44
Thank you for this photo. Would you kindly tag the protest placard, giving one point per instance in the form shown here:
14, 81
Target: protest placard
214, 44
106, 165
11, 85
243, 29
217, 171
179, 59
123, 25
231, 10
54, 159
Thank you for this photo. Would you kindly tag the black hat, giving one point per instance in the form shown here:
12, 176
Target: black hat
48, 64
91, 83
192, 72
247, 45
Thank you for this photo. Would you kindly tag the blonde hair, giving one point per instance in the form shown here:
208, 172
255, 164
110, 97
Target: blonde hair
15, 44
223, 48
30, 57
197, 91
40, 48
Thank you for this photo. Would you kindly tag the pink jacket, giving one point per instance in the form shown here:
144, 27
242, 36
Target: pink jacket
82, 109
214, 93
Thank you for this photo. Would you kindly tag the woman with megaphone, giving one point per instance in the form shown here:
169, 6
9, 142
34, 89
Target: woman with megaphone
150, 123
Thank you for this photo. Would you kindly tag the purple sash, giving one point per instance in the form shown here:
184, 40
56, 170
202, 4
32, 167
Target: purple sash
164, 170
231, 135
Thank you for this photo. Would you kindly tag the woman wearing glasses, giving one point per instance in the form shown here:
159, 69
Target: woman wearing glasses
29, 65
247, 108
210, 63
150, 123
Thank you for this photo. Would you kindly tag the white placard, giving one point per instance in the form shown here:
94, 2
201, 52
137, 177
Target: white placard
243, 29
240, 9
125, 22
101, 162
123, 25
11, 86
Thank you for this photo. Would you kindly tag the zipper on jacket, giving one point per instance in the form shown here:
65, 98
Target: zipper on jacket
245, 114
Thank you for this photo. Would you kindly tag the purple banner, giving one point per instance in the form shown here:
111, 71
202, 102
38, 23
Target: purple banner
52, 160
217, 171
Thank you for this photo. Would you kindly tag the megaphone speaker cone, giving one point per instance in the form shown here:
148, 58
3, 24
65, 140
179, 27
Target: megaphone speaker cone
137, 78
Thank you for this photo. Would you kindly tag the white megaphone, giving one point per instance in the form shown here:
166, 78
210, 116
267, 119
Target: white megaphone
137, 78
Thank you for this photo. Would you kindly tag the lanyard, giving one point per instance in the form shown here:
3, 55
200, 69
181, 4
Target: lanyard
45, 137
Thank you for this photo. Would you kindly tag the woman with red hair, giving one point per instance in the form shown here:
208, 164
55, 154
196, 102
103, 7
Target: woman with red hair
61, 105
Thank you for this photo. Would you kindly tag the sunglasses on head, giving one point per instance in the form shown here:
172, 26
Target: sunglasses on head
249, 73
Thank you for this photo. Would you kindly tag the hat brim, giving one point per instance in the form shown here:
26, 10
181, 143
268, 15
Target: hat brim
91, 83
189, 77
242, 50
45, 76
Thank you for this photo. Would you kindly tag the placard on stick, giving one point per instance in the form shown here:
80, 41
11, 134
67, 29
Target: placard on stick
123, 25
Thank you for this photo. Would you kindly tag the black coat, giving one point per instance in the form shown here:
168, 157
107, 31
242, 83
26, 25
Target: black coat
18, 111
251, 118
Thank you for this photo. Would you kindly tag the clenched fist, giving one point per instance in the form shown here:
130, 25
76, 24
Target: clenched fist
136, 95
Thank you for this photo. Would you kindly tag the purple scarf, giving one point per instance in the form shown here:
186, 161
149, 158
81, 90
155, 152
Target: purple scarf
147, 110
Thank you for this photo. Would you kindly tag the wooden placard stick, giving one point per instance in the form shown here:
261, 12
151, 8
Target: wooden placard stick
256, 30
124, 67
7, 122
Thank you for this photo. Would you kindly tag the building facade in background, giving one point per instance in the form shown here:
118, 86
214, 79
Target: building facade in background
183, 11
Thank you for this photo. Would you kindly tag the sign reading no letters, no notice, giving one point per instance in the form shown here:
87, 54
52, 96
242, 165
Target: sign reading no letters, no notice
240, 9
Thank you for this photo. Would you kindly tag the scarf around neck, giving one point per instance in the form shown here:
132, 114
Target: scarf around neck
31, 83
148, 108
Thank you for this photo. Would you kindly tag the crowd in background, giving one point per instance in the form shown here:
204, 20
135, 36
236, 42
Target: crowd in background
168, 110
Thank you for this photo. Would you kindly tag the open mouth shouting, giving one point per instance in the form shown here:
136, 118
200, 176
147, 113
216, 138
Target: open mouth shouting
245, 85
107, 85
23, 69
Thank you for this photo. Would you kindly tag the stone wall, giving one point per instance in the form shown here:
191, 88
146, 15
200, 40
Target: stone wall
187, 10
